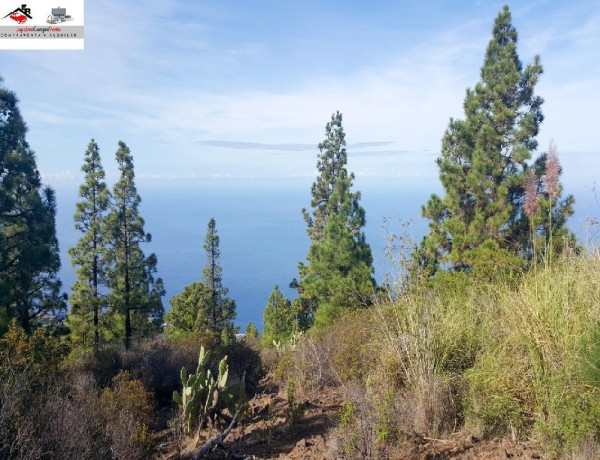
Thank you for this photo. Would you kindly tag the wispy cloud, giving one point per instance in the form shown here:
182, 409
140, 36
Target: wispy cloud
239, 145
60, 176
228, 87
258, 146
390, 153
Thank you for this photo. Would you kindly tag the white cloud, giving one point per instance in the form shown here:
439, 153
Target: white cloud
61, 176
153, 90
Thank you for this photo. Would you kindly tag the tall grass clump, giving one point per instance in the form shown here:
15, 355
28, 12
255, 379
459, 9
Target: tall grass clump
432, 331
495, 351
500, 350
425, 333
538, 374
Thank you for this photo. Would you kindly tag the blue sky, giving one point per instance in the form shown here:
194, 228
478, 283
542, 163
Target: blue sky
230, 90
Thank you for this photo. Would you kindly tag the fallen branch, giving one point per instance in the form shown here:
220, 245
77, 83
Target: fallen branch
217, 440
443, 441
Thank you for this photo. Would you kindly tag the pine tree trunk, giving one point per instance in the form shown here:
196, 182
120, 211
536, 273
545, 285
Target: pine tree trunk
96, 335
127, 329
25, 321
127, 289
214, 288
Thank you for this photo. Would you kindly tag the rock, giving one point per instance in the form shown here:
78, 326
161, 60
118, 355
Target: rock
302, 444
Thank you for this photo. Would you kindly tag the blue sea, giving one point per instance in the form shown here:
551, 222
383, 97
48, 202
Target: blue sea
262, 232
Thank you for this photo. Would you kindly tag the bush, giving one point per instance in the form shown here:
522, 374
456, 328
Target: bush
157, 363
327, 357
357, 435
352, 353
102, 366
97, 405
244, 363
45, 410
128, 413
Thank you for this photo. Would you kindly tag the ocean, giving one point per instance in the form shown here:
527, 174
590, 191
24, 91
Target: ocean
261, 229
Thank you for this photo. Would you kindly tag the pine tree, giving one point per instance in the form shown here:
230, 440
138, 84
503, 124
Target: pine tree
279, 318
189, 309
221, 310
29, 256
484, 162
88, 303
204, 305
339, 273
252, 331
331, 161
135, 293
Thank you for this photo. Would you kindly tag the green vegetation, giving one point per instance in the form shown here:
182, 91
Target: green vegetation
220, 310
492, 327
484, 165
204, 305
499, 357
279, 319
116, 294
29, 258
134, 293
188, 310
338, 274
88, 304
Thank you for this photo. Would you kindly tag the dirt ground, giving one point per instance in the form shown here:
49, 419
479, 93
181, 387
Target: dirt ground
265, 432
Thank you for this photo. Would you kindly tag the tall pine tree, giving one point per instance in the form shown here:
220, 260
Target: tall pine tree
135, 293
331, 161
484, 162
221, 310
338, 273
204, 305
29, 256
88, 303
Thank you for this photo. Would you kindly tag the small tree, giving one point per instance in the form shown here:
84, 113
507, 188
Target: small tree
252, 331
135, 293
89, 255
279, 319
188, 311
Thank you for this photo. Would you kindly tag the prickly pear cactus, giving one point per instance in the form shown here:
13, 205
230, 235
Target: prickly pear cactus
202, 395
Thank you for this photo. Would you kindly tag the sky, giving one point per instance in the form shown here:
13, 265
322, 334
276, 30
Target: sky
230, 90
